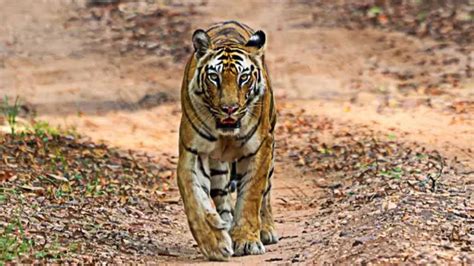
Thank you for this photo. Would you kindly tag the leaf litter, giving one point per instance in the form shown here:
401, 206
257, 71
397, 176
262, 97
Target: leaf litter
385, 201
159, 28
68, 199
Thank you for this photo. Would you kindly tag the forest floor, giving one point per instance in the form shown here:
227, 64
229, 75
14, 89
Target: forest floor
375, 154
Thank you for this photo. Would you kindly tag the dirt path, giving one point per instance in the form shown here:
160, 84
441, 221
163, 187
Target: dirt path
326, 72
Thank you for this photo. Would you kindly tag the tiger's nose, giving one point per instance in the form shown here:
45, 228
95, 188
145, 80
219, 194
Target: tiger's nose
230, 109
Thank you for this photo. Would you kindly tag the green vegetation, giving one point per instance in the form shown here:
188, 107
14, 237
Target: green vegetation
13, 242
395, 173
374, 11
391, 136
43, 128
10, 112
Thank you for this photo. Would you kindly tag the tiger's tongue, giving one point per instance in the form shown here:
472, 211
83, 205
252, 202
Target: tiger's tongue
228, 121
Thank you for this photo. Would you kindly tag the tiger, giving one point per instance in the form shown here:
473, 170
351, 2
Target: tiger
226, 142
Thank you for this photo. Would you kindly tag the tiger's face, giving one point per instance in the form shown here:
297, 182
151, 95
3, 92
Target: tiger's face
229, 79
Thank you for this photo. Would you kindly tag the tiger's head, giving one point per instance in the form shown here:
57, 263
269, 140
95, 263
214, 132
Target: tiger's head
228, 80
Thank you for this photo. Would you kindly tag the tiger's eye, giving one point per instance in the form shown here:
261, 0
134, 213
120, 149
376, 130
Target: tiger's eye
214, 77
244, 78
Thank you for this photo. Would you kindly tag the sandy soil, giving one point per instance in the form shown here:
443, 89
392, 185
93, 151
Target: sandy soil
322, 70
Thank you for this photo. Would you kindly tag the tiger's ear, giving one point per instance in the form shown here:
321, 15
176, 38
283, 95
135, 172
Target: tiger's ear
201, 42
257, 41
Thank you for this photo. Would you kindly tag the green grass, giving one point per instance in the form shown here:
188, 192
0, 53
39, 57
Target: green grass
391, 136
374, 11
422, 16
10, 112
51, 250
3, 198
40, 128
395, 173
43, 129
13, 242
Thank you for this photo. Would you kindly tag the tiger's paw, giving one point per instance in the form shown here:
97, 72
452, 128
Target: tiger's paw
213, 238
246, 244
219, 246
248, 247
268, 235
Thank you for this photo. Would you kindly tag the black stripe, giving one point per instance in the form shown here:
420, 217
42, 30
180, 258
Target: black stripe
251, 92
220, 212
233, 50
201, 168
218, 172
218, 192
205, 89
208, 137
238, 58
270, 174
232, 22
220, 52
272, 124
242, 184
238, 24
188, 149
253, 153
199, 79
227, 31
239, 177
249, 135
233, 171
267, 190
272, 111
238, 63
205, 189
223, 57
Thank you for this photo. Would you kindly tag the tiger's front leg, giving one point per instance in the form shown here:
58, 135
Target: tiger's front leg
207, 227
220, 192
252, 183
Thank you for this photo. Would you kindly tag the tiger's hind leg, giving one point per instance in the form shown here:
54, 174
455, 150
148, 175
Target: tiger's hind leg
220, 178
268, 233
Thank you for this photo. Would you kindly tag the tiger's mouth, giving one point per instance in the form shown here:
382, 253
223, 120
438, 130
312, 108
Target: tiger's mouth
228, 123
